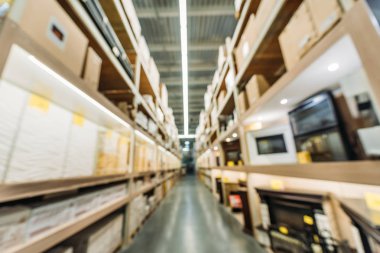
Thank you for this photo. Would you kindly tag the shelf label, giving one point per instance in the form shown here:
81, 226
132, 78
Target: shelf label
78, 120
308, 220
283, 230
277, 184
372, 201
39, 103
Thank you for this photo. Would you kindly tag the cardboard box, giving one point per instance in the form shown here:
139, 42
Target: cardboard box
51, 27
164, 95
298, 36
145, 53
154, 76
324, 13
252, 30
92, 68
132, 17
255, 88
243, 103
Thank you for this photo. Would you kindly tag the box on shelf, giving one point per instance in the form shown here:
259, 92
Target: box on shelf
160, 115
150, 102
154, 76
215, 80
230, 79
252, 31
141, 119
40, 146
50, 26
92, 68
243, 103
13, 225
152, 127
102, 237
164, 95
85, 203
324, 14
82, 148
222, 95
10, 117
255, 88
145, 53
132, 17
222, 57
298, 36
239, 4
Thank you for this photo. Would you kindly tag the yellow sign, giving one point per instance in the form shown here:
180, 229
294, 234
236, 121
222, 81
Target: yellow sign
38, 102
277, 184
373, 201
308, 220
283, 230
304, 157
78, 119
230, 164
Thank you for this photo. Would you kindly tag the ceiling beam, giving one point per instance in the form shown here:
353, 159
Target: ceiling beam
199, 46
195, 67
227, 10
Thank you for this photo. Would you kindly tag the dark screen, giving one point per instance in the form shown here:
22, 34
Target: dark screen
271, 144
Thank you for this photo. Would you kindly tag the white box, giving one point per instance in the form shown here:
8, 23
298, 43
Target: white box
13, 226
40, 146
10, 119
82, 148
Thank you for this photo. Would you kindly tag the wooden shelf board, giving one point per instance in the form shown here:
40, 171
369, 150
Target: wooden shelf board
47, 240
265, 56
228, 104
356, 172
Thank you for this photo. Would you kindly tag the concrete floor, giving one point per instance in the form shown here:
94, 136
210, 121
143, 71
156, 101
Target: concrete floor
190, 220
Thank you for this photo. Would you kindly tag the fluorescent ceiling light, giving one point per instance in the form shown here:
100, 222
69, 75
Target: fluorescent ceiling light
187, 142
185, 74
284, 101
234, 135
228, 139
333, 67
188, 136
215, 148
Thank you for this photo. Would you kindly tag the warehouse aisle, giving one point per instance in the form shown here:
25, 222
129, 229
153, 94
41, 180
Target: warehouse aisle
190, 220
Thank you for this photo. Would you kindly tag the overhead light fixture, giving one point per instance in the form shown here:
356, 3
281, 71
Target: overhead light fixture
234, 135
187, 142
189, 136
284, 101
215, 148
228, 139
185, 74
333, 67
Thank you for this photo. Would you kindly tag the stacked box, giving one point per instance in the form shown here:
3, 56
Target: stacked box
13, 225
141, 119
255, 88
103, 237
85, 203
132, 17
47, 216
82, 147
39, 149
10, 119
149, 101
107, 153
154, 76
145, 53
160, 114
123, 151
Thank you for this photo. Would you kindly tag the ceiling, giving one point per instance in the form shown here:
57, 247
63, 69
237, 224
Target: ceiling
209, 23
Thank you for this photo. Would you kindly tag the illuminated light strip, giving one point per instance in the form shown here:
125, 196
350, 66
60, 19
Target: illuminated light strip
78, 91
143, 136
185, 74
188, 136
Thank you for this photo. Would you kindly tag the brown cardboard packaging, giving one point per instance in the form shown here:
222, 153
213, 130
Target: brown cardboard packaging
298, 36
92, 68
50, 26
324, 14
242, 99
255, 88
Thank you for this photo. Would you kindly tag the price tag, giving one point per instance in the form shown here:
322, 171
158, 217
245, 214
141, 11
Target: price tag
277, 184
283, 230
39, 103
372, 201
308, 220
78, 120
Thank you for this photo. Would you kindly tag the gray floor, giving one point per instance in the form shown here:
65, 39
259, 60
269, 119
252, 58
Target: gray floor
190, 220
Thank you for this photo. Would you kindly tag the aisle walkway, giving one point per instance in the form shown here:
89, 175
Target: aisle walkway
190, 220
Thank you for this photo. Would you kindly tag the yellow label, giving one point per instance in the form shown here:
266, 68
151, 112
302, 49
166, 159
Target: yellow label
316, 238
78, 119
225, 180
283, 230
240, 163
373, 201
230, 164
308, 220
304, 157
277, 184
38, 102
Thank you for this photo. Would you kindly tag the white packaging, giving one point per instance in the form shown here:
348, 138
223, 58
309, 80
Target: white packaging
142, 120
132, 17
154, 76
13, 226
10, 118
81, 153
160, 115
49, 216
40, 146
230, 79
144, 49
85, 203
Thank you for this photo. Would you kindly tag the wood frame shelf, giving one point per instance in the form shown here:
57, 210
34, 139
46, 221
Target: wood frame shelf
356, 172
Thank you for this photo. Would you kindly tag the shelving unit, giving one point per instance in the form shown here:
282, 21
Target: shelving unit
47, 77
349, 42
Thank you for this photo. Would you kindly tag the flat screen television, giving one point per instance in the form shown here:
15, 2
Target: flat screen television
273, 144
